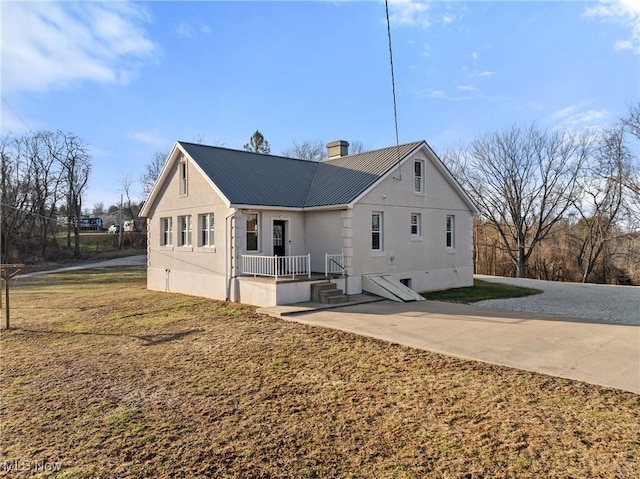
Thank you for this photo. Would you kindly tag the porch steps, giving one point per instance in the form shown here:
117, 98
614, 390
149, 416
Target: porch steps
327, 293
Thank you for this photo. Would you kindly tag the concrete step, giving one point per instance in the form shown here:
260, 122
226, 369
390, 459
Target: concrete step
327, 293
337, 299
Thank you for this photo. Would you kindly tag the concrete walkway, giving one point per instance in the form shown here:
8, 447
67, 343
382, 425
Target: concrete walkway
574, 348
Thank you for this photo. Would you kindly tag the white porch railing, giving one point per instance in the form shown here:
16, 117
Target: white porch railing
276, 266
334, 264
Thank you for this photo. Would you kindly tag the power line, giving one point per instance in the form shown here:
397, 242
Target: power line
393, 84
16, 114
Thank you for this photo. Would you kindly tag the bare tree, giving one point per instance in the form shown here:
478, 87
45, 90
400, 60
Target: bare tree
40, 170
315, 150
632, 120
98, 209
14, 195
152, 171
523, 180
602, 198
76, 165
356, 147
312, 150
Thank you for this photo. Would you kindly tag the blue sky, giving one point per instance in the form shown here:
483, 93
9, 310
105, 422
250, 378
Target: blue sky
132, 78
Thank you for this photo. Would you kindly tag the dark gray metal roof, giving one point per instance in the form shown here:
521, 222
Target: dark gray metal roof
377, 162
246, 178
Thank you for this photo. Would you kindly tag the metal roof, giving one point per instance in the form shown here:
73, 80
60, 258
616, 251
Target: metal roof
247, 178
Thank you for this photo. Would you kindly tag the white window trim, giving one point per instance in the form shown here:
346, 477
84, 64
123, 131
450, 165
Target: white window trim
416, 236
209, 244
183, 179
415, 177
164, 221
257, 231
450, 248
187, 245
380, 231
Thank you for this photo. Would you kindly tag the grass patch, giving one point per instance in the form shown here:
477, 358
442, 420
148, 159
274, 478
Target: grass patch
111, 380
480, 291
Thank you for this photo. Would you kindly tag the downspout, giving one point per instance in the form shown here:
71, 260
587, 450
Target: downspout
228, 246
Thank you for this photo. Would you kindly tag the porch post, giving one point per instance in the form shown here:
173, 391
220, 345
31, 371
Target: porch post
275, 266
309, 264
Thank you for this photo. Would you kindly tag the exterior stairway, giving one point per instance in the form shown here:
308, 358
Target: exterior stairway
327, 293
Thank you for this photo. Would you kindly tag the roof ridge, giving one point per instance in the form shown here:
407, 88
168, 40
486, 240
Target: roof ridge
245, 151
374, 151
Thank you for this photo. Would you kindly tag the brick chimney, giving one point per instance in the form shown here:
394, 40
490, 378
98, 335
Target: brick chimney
337, 149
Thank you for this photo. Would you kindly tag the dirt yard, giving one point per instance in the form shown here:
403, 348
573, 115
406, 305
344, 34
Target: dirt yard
101, 378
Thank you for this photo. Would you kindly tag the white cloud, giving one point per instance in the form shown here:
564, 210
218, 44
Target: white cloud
564, 112
426, 50
466, 88
622, 12
409, 13
53, 45
150, 138
575, 118
185, 30
447, 19
475, 56
623, 45
486, 73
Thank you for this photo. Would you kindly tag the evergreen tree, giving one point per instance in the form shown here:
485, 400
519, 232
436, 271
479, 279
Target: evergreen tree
258, 144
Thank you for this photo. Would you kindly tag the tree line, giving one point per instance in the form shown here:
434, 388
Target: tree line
42, 173
555, 204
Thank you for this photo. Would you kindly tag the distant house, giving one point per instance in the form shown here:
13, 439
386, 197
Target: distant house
260, 229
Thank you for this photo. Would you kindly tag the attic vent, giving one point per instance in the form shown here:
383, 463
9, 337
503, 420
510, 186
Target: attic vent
337, 149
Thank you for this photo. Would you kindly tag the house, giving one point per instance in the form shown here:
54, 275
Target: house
261, 229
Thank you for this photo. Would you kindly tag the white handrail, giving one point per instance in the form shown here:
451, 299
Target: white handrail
334, 264
276, 266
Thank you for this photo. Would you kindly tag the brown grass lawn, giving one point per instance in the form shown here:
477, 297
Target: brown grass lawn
102, 378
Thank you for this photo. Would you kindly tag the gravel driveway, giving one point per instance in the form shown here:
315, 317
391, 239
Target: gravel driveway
615, 304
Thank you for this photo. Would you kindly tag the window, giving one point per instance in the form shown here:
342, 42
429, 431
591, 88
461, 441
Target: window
206, 230
376, 231
184, 225
415, 224
165, 225
418, 176
252, 231
182, 171
451, 231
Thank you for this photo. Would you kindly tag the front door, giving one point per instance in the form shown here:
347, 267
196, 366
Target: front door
279, 238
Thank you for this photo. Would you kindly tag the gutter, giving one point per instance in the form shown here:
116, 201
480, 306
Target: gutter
228, 240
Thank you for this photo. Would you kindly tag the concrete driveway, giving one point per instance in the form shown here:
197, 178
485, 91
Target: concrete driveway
574, 348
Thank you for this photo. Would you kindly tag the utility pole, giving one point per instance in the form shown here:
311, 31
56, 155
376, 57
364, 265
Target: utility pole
121, 226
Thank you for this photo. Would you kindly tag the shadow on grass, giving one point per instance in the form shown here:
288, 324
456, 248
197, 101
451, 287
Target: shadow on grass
147, 339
